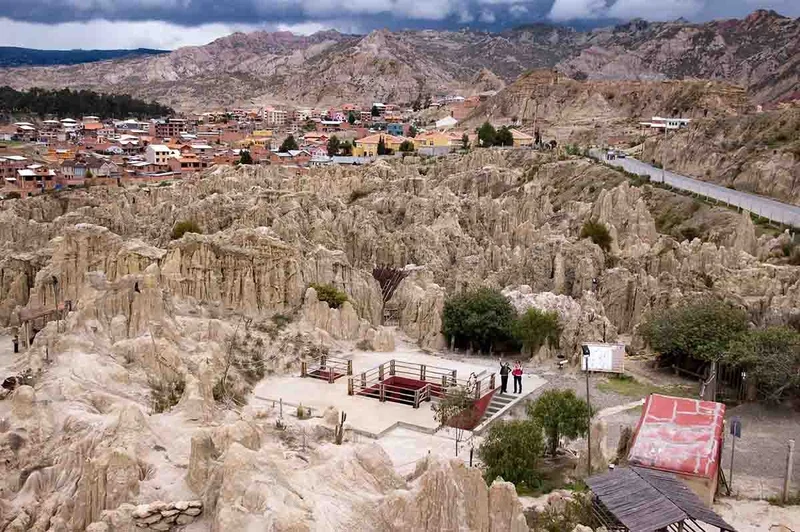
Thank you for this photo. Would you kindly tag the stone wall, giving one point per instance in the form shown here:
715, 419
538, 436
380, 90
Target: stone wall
165, 516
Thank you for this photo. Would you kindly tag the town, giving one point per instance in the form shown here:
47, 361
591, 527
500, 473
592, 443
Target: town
53, 153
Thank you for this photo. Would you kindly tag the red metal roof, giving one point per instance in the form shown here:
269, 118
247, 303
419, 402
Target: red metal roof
679, 435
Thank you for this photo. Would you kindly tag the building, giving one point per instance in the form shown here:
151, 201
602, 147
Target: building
521, 140
275, 117
446, 123
169, 128
436, 143
368, 146
666, 123
187, 163
160, 154
9, 164
681, 436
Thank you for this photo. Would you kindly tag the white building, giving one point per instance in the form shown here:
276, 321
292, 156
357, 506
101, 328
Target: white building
666, 123
275, 117
160, 154
446, 122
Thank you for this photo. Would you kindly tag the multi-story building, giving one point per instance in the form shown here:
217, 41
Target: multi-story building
169, 128
275, 117
160, 154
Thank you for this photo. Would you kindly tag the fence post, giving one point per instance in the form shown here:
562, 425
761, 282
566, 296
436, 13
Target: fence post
444, 382
349, 367
382, 390
363, 380
380, 372
331, 375
787, 480
492, 382
322, 360
416, 398
304, 369
455, 377
350, 386
422, 372
478, 390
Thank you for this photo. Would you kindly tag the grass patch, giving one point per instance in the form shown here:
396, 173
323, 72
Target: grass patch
630, 387
792, 500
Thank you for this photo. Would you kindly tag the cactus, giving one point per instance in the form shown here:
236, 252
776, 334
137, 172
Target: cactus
338, 431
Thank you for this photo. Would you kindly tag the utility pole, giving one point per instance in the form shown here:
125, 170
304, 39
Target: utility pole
787, 479
585, 349
663, 158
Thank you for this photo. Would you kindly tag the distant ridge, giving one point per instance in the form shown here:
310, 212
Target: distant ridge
11, 56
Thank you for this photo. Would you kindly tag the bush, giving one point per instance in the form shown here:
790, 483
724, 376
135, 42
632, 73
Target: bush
486, 135
598, 233
359, 193
536, 327
576, 512
330, 294
407, 146
281, 320
561, 414
482, 318
164, 394
770, 356
187, 226
513, 450
700, 330
13, 195
303, 412
503, 137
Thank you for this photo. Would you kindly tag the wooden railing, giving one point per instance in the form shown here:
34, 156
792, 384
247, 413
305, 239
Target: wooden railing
326, 366
436, 381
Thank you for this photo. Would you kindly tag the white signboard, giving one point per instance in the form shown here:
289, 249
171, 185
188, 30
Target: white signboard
605, 358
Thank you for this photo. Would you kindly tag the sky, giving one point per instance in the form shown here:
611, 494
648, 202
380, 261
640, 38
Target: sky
170, 24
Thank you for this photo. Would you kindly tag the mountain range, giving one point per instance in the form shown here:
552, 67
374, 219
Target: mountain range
761, 53
12, 56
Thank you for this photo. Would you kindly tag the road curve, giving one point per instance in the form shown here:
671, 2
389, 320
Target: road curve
774, 210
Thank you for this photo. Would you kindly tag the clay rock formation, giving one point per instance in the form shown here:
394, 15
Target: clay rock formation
431, 503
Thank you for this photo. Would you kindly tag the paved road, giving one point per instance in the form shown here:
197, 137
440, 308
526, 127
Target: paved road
768, 208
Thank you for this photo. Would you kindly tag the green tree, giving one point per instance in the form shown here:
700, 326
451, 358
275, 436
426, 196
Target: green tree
412, 131
456, 409
513, 450
486, 135
771, 358
465, 141
375, 111
186, 226
561, 414
333, 146
351, 118
347, 148
479, 318
382, 146
245, 157
504, 137
328, 293
700, 330
288, 144
535, 328
598, 233
407, 146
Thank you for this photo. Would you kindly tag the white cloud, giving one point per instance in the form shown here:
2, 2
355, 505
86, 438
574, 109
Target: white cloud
104, 34
659, 10
486, 17
577, 9
518, 11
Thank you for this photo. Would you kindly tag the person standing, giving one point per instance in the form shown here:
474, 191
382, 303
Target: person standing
517, 373
505, 369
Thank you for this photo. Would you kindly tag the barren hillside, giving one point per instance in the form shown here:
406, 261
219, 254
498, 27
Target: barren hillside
759, 53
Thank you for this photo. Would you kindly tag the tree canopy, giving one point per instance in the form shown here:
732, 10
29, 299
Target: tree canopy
535, 328
771, 357
479, 318
561, 414
465, 141
333, 146
382, 150
66, 102
598, 233
375, 111
288, 144
700, 330
486, 135
351, 118
407, 146
513, 450
245, 157
504, 137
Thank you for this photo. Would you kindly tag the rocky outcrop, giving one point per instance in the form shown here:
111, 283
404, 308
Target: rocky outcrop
166, 516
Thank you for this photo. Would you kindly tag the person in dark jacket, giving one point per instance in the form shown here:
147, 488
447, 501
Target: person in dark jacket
505, 369
517, 377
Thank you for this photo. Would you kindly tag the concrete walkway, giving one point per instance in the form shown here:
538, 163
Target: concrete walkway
771, 209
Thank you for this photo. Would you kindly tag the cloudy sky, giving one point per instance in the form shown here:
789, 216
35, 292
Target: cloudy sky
169, 24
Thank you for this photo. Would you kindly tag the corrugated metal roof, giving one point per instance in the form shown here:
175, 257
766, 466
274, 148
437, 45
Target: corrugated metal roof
645, 500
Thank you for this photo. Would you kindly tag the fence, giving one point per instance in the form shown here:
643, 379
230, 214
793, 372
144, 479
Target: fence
410, 383
770, 209
326, 368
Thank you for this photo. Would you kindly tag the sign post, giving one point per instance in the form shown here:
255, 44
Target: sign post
736, 432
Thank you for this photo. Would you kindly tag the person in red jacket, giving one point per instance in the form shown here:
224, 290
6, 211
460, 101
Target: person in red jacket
517, 373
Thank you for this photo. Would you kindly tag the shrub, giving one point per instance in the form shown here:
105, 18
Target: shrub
513, 450
561, 414
13, 195
535, 328
359, 193
186, 226
576, 512
699, 330
598, 233
164, 394
504, 137
481, 317
330, 294
407, 146
303, 412
770, 356
281, 320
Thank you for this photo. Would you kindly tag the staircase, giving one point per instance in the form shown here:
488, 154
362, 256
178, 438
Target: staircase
499, 402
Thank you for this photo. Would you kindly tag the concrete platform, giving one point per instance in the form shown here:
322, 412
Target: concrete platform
368, 416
